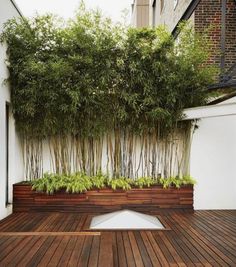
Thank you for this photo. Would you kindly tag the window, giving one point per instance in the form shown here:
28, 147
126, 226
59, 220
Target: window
175, 3
154, 13
7, 154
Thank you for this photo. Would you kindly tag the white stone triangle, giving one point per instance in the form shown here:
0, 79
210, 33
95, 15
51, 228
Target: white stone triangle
125, 219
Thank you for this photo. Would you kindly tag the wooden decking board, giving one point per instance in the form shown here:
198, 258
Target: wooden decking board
164, 249
13, 222
211, 255
226, 215
121, 250
25, 234
157, 250
143, 250
115, 251
105, 252
218, 255
59, 252
75, 221
218, 243
75, 255
8, 246
10, 219
200, 238
93, 259
50, 252
195, 244
37, 257
31, 251
135, 250
172, 250
23, 253
128, 250
222, 236
149, 248
70, 222
84, 257
188, 244
218, 225
81, 222
181, 250
21, 250
45, 223
222, 229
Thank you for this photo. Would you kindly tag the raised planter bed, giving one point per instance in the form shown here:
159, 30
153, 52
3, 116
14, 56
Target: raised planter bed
104, 200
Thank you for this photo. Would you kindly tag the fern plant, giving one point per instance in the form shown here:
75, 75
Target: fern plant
120, 183
176, 181
99, 181
144, 182
80, 182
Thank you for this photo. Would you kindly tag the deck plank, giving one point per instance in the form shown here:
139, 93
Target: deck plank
74, 258
128, 250
93, 259
200, 238
121, 250
105, 252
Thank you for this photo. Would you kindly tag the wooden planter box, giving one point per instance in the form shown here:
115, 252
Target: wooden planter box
104, 200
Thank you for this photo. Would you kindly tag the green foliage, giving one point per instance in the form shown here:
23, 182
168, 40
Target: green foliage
99, 181
120, 183
50, 183
187, 179
176, 181
79, 182
144, 182
88, 76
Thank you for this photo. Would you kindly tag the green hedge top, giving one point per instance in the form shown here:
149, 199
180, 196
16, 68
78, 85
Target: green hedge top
88, 76
80, 182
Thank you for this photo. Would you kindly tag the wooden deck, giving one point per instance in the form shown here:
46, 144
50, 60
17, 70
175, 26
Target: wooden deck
200, 238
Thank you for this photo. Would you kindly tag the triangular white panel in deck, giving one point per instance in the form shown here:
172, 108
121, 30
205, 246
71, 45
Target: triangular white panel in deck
125, 219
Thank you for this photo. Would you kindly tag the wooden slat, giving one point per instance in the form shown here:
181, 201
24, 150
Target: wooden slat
105, 252
50, 252
84, 257
137, 255
104, 200
74, 258
93, 258
128, 250
48, 233
121, 250
200, 238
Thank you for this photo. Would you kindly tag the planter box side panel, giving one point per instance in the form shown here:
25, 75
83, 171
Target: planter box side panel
95, 201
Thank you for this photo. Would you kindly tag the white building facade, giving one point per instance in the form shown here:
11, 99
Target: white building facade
11, 166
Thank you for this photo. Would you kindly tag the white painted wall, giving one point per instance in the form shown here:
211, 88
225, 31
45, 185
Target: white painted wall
7, 11
213, 156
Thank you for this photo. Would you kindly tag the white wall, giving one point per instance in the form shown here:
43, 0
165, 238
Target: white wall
213, 156
7, 11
